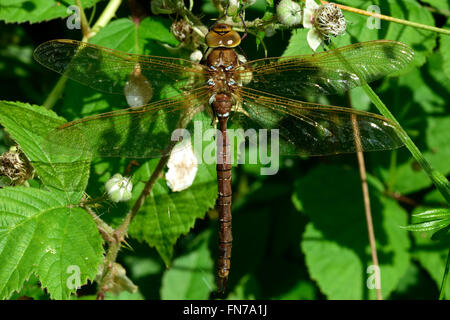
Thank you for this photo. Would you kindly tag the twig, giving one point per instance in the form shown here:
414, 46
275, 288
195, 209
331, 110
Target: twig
85, 29
391, 19
105, 17
105, 230
120, 232
366, 199
444, 278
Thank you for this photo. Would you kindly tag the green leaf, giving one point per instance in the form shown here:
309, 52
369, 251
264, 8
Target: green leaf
434, 213
335, 243
246, 289
438, 4
30, 289
28, 125
191, 276
18, 11
122, 34
432, 255
40, 234
428, 226
167, 215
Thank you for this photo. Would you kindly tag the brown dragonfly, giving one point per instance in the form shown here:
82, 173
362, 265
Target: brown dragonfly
225, 87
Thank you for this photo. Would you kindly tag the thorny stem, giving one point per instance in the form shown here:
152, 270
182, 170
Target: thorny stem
391, 19
105, 230
84, 23
366, 199
105, 17
120, 232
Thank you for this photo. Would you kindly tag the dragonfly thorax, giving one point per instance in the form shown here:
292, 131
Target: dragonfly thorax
222, 64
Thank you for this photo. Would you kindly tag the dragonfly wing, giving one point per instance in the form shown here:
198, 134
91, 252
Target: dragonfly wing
108, 70
329, 72
313, 129
141, 132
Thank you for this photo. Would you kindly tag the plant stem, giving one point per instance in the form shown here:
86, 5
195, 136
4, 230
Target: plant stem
366, 200
56, 93
444, 278
439, 180
105, 17
108, 13
438, 11
391, 19
84, 23
122, 230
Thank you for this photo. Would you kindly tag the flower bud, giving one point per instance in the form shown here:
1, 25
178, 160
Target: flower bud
138, 90
15, 166
196, 56
183, 165
182, 30
330, 20
324, 21
233, 8
119, 188
289, 13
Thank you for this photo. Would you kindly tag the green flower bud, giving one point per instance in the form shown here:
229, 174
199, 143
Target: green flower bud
289, 13
119, 188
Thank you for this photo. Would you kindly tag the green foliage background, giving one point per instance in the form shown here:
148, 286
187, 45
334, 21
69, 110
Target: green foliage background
300, 234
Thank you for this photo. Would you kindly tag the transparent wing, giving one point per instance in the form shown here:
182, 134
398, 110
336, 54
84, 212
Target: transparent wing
108, 70
140, 132
329, 72
313, 129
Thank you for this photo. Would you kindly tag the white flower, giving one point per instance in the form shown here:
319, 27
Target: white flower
324, 21
233, 8
183, 165
119, 188
289, 13
196, 56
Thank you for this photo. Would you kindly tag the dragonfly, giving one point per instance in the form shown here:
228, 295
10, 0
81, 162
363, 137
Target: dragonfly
262, 93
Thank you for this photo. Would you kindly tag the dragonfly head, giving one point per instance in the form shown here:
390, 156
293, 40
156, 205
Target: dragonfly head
221, 35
